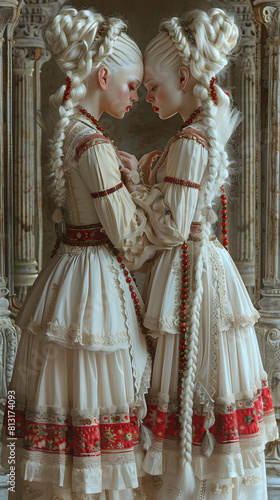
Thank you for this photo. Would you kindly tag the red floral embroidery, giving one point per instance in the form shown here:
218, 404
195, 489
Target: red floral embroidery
198, 429
90, 437
267, 400
86, 440
155, 420
232, 423
87, 142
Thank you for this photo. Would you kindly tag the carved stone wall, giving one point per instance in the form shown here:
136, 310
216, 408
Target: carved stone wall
9, 335
29, 55
244, 91
20, 168
241, 192
267, 16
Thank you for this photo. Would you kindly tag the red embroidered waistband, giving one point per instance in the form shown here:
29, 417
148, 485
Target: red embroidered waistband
182, 182
91, 235
100, 194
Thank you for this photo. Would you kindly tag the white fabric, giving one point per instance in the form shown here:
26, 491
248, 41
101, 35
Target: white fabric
81, 298
50, 379
82, 352
229, 367
250, 487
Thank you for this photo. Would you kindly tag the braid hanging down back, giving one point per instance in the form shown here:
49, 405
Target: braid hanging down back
215, 37
79, 50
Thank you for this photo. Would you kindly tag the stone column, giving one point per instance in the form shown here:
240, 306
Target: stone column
267, 16
244, 92
9, 335
28, 56
26, 267
241, 194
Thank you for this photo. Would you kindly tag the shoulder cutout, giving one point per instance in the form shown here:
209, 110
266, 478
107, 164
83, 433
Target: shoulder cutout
89, 141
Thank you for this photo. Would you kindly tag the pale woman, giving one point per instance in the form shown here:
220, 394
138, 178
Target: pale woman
210, 411
82, 366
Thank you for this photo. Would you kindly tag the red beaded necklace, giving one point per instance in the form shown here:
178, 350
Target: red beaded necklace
191, 118
92, 119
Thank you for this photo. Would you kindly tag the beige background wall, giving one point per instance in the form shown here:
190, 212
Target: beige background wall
141, 130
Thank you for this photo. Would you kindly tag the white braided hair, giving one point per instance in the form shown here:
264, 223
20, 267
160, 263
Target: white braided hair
79, 50
215, 35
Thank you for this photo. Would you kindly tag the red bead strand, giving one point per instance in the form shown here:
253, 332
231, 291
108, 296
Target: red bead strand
56, 247
135, 299
213, 91
92, 119
191, 118
68, 88
183, 321
224, 219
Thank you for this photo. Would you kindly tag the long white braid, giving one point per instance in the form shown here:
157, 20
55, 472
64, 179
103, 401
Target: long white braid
215, 35
72, 37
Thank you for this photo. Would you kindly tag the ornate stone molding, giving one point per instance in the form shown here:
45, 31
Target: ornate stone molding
242, 209
9, 339
29, 55
267, 19
269, 341
9, 335
268, 14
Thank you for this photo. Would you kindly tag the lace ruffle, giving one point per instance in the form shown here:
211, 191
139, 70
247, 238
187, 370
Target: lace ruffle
234, 461
77, 338
85, 475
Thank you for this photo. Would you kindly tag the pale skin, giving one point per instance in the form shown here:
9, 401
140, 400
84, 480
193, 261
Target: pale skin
169, 93
113, 92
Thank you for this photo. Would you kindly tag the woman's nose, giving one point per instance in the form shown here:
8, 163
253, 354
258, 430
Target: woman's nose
149, 98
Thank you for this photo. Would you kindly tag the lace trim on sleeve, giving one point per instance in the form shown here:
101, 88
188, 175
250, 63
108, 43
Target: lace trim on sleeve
106, 192
182, 182
89, 141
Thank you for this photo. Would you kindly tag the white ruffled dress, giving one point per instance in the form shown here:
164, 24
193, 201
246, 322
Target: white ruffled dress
82, 366
231, 399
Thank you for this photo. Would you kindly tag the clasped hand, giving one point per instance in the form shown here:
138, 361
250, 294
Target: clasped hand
132, 165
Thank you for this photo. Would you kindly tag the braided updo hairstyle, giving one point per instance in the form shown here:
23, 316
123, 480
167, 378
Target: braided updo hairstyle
216, 35
74, 38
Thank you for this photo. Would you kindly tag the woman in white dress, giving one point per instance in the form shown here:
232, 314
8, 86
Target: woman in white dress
210, 411
82, 366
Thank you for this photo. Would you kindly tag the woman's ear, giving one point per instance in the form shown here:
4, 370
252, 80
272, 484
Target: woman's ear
184, 76
103, 77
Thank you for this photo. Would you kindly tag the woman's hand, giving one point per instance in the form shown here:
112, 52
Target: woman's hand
146, 164
130, 170
130, 161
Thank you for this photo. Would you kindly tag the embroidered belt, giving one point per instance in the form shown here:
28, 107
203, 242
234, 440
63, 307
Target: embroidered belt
182, 182
92, 235
100, 194
194, 232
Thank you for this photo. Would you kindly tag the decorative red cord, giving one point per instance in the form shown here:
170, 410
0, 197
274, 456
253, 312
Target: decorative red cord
135, 299
224, 219
183, 321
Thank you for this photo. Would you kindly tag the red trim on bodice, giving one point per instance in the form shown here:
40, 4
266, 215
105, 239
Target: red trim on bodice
89, 141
